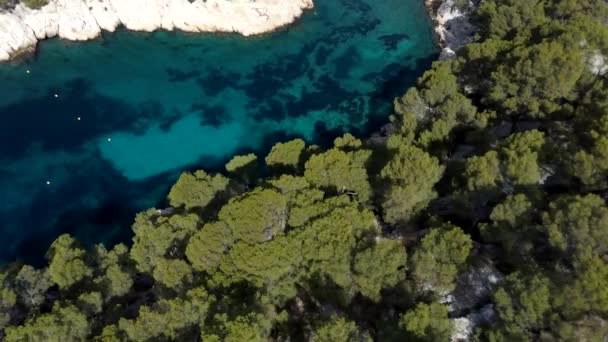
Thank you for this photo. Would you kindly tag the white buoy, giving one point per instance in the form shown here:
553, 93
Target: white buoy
109, 139
27, 71
78, 118
56, 95
48, 182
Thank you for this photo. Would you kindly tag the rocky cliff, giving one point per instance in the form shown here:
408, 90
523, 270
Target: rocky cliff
21, 28
452, 24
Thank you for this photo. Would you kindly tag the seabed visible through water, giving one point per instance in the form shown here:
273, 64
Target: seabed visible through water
93, 132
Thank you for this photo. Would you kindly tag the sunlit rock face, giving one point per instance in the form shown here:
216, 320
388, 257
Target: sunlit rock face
79, 20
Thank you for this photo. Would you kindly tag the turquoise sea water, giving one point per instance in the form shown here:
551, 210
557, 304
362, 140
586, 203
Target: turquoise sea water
97, 131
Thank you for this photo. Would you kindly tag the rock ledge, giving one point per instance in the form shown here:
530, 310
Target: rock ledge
21, 28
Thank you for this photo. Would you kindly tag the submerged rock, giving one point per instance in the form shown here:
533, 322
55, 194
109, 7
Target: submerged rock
21, 28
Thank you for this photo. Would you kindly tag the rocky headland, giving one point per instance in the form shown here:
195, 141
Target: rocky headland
78, 20
452, 24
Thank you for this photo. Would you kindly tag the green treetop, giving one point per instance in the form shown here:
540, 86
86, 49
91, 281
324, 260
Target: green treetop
256, 216
173, 273
482, 173
286, 154
578, 225
522, 303
522, 157
338, 329
427, 322
442, 252
436, 106
67, 265
196, 190
343, 172
155, 235
207, 247
536, 79
61, 324
167, 318
411, 175
380, 266
244, 167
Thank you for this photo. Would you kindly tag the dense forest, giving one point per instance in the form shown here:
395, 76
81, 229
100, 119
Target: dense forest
497, 159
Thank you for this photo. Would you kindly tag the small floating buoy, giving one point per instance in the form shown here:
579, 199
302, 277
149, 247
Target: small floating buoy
109, 139
27, 71
78, 118
48, 182
56, 95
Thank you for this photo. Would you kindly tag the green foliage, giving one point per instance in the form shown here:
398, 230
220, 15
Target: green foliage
207, 247
316, 250
442, 252
173, 273
269, 265
67, 265
328, 242
428, 322
411, 175
245, 167
167, 318
512, 227
196, 190
435, 107
588, 292
117, 282
62, 324
243, 329
35, 4
31, 286
155, 235
380, 266
348, 142
343, 172
90, 303
507, 19
237, 163
286, 154
522, 304
536, 79
521, 157
482, 173
256, 216
338, 329
8, 300
250, 327
578, 225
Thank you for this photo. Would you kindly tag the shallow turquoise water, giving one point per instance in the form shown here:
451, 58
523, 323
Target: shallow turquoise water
133, 110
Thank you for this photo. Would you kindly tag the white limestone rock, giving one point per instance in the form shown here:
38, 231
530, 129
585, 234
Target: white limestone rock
452, 25
76, 21
15, 36
140, 15
104, 14
21, 28
43, 22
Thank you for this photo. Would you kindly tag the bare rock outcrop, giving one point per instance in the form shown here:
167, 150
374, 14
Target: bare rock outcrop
21, 28
452, 24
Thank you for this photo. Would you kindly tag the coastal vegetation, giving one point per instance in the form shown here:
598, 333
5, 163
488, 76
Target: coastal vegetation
498, 155
33, 4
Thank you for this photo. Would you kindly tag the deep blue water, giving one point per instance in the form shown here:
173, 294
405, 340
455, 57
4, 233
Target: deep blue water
133, 110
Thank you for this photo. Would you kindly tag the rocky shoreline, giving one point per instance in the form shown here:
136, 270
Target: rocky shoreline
21, 28
78, 20
452, 24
